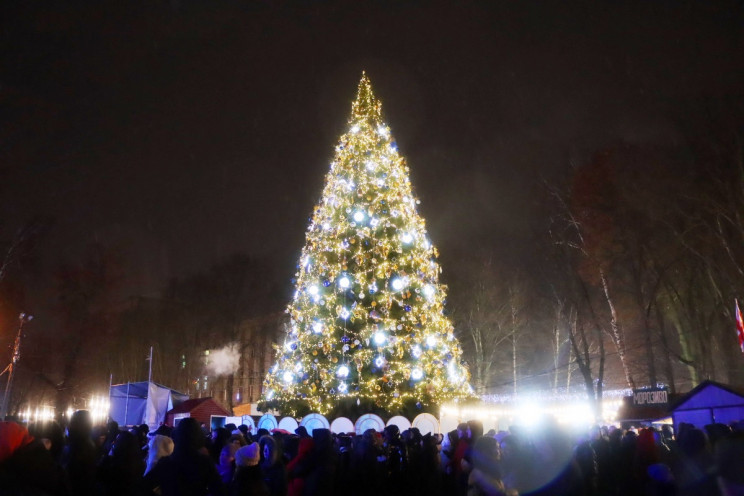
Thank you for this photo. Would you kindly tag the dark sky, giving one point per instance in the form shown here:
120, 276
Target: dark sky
181, 132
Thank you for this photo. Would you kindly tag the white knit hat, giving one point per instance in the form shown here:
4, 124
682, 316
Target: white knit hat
248, 456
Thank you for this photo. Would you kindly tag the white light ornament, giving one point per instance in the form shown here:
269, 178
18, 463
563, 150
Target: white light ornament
344, 282
398, 284
344, 313
431, 341
359, 216
288, 377
416, 351
452, 371
354, 129
417, 374
380, 338
342, 387
317, 328
270, 394
313, 290
382, 131
371, 165
343, 371
407, 238
374, 221
429, 291
380, 361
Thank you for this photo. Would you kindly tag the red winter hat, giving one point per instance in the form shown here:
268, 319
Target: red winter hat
12, 437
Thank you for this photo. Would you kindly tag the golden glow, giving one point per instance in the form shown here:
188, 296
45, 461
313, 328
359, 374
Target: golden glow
367, 270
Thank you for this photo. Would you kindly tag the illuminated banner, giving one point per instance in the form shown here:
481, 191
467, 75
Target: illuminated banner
650, 397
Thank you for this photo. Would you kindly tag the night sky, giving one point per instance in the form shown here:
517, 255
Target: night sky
180, 132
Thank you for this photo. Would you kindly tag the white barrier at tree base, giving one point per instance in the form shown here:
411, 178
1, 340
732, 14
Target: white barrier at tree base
426, 423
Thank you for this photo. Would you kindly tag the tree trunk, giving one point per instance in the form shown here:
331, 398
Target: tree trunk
229, 391
669, 368
617, 336
514, 362
556, 355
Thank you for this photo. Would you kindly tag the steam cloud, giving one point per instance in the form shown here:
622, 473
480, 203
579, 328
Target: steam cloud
224, 361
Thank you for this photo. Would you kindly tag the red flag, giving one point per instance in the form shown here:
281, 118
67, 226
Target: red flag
739, 326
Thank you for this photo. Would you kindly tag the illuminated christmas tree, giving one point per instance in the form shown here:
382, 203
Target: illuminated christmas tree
366, 321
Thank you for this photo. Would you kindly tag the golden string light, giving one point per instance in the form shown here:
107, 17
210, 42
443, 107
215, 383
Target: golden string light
367, 316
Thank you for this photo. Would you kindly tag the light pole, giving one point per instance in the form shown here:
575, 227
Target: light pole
10, 369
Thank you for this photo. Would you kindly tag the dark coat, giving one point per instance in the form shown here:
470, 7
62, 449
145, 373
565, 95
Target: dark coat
31, 471
185, 475
249, 481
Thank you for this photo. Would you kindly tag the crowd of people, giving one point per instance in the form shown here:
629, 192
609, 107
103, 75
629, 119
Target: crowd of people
83, 460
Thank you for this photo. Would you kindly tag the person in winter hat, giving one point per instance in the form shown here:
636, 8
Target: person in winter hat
248, 477
248, 456
272, 467
160, 446
189, 471
26, 466
12, 437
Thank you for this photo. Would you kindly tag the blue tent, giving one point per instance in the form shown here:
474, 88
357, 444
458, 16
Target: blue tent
710, 402
145, 402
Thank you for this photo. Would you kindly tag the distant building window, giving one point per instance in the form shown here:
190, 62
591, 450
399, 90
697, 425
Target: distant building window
183, 361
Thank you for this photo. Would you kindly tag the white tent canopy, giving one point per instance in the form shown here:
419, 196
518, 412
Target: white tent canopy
145, 402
